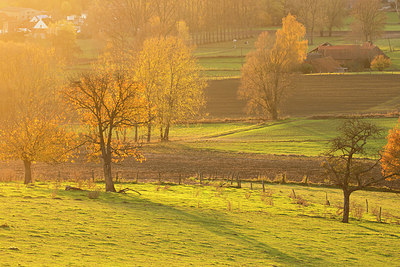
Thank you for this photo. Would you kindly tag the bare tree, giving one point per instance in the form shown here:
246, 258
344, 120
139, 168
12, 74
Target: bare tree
343, 163
369, 19
309, 12
334, 12
395, 4
109, 102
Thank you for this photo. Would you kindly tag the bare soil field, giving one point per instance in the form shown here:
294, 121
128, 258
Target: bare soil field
314, 95
181, 163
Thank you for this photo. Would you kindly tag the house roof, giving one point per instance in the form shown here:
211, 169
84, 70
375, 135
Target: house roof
348, 52
325, 64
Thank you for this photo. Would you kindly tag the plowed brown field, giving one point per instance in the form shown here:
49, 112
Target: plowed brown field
315, 95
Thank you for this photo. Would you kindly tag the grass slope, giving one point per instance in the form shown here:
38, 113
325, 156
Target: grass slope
307, 137
191, 225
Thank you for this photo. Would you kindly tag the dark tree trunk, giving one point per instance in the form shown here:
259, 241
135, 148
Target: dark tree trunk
346, 206
107, 175
165, 136
28, 172
330, 31
161, 134
136, 133
149, 133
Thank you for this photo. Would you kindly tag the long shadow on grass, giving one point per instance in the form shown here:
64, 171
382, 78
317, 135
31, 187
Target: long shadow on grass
217, 224
377, 231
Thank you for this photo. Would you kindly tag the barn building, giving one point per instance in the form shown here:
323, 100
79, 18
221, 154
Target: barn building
333, 58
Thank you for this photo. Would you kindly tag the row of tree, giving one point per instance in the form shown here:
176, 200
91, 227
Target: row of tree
123, 20
157, 87
215, 20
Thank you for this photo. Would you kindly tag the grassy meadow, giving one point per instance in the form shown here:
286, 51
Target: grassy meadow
306, 137
214, 223
193, 225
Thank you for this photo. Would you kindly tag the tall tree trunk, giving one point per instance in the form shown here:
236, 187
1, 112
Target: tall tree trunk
28, 172
149, 133
166, 133
346, 206
161, 134
108, 175
136, 133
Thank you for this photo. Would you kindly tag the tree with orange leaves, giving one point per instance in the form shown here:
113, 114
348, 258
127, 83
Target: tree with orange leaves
32, 127
174, 87
110, 102
391, 155
267, 72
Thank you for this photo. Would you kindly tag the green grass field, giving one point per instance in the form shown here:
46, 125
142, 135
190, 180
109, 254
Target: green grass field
306, 137
43, 225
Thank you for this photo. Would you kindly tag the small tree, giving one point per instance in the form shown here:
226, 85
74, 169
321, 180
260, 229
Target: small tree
267, 72
344, 167
381, 63
32, 128
109, 102
334, 13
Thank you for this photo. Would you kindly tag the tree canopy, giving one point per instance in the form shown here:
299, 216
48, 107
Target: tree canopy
32, 124
267, 72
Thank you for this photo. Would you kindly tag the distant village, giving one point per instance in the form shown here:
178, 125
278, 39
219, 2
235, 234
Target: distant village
32, 22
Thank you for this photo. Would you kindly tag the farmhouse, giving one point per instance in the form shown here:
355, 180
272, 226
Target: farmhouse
19, 13
26, 20
353, 57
